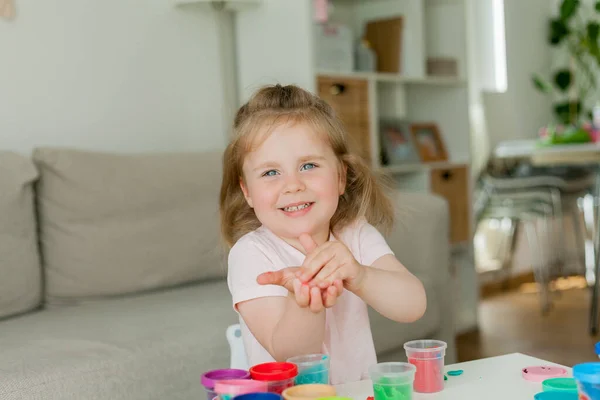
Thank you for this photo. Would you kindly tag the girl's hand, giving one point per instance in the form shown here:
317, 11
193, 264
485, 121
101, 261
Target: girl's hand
330, 262
315, 298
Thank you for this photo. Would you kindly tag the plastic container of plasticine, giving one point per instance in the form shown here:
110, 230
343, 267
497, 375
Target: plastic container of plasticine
259, 396
587, 376
554, 395
278, 375
312, 368
309, 392
428, 357
559, 385
335, 398
230, 388
393, 380
210, 378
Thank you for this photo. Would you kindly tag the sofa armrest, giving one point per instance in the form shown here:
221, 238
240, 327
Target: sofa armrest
420, 239
421, 235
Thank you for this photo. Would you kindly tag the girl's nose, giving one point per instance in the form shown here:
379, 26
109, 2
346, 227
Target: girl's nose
293, 184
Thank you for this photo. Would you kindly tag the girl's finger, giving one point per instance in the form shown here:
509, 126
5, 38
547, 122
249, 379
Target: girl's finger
330, 297
339, 285
308, 243
311, 267
327, 274
316, 301
338, 274
302, 294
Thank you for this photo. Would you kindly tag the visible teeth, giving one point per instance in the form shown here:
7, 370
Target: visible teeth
296, 208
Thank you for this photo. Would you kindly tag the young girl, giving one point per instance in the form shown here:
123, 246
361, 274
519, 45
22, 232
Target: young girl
298, 210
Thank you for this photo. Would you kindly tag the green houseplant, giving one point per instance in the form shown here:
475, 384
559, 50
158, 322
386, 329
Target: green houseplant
575, 31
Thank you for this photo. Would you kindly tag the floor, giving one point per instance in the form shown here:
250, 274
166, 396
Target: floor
512, 322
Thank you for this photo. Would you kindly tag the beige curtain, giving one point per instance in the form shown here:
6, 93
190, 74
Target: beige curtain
7, 9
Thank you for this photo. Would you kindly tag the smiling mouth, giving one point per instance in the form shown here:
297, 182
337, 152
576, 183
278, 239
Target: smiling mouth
297, 207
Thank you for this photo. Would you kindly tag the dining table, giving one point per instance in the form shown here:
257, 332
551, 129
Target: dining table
575, 154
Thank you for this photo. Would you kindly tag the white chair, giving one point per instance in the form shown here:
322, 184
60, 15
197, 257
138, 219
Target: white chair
238, 358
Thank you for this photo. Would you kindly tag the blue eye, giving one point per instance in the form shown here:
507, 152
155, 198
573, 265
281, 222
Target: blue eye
308, 166
270, 172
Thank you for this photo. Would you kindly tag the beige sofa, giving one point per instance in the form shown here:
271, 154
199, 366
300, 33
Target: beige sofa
111, 275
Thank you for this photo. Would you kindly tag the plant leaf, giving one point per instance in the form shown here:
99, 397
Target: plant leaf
558, 31
567, 111
598, 6
540, 84
568, 9
593, 29
563, 79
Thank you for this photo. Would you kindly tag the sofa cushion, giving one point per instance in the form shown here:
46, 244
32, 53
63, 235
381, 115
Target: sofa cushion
150, 346
20, 273
113, 224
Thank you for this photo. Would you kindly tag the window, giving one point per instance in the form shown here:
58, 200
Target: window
500, 80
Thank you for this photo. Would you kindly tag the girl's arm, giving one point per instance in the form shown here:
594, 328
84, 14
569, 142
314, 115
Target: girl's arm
282, 327
392, 290
286, 324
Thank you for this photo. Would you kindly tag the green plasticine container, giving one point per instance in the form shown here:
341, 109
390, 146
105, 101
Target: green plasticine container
559, 385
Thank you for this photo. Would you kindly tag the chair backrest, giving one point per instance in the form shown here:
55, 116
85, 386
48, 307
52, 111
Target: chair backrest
238, 358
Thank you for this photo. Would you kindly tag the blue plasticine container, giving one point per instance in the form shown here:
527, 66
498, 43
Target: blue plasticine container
312, 368
597, 348
587, 376
259, 396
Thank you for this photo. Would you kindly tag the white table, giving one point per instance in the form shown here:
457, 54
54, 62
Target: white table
495, 378
568, 154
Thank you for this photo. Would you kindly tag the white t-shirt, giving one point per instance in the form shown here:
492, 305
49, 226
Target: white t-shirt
348, 339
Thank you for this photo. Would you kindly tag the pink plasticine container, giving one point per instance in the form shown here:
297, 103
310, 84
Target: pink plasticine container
428, 357
228, 389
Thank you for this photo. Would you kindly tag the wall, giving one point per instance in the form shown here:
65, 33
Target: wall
274, 45
123, 75
521, 111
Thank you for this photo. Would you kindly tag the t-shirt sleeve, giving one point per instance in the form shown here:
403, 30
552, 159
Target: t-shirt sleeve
245, 262
372, 244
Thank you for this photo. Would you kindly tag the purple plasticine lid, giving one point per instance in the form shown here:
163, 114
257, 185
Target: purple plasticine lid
209, 378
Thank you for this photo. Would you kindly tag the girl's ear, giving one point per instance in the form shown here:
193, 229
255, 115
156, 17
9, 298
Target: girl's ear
245, 191
342, 183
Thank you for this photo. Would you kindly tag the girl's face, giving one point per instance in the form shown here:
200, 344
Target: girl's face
293, 181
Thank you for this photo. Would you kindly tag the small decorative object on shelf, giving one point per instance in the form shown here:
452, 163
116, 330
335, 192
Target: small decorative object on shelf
397, 143
442, 66
7, 9
366, 59
385, 37
321, 8
429, 142
334, 48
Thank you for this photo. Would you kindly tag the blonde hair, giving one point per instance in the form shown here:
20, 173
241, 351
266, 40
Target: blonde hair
271, 106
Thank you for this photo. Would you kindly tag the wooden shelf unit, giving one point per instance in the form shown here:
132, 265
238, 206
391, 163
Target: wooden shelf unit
362, 99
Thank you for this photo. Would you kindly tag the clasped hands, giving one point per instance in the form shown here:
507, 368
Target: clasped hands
325, 272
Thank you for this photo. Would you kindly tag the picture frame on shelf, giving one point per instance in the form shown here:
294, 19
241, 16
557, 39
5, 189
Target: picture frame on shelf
428, 141
397, 143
